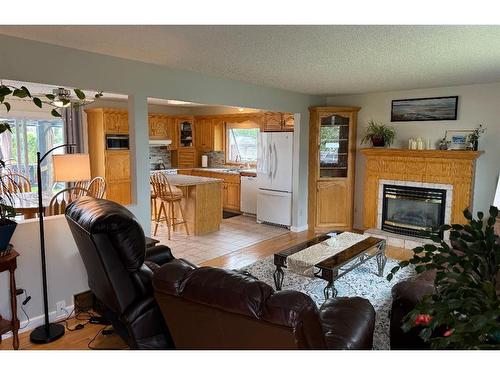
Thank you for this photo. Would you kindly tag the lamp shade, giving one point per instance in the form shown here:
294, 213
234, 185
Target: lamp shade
71, 167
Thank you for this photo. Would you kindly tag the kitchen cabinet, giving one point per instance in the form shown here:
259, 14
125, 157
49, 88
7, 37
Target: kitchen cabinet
112, 165
277, 122
204, 135
186, 157
231, 196
209, 134
115, 121
332, 155
230, 188
157, 127
186, 132
163, 127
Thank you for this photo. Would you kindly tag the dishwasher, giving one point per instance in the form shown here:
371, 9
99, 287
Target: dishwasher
248, 195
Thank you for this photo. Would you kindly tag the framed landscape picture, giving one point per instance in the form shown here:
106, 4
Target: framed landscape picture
425, 109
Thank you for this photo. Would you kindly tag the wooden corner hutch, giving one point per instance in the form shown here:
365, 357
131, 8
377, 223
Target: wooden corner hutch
332, 156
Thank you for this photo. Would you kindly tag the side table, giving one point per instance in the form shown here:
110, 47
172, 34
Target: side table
9, 263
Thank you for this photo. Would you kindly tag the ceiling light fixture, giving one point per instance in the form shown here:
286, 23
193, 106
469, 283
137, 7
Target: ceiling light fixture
62, 97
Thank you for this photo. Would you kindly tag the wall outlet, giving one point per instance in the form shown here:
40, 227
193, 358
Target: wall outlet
61, 308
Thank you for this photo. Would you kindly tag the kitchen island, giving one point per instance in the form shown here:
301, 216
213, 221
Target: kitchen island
202, 202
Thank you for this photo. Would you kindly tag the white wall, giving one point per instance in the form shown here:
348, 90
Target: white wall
66, 274
477, 104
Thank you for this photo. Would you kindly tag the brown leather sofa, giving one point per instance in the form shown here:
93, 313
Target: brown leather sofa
212, 308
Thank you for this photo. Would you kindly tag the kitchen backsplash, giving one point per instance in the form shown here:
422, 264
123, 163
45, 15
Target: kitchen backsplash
215, 158
159, 155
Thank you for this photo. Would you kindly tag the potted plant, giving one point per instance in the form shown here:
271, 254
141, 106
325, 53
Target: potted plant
473, 138
62, 96
379, 134
464, 310
7, 226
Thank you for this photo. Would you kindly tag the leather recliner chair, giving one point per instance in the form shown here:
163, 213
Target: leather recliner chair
212, 308
112, 245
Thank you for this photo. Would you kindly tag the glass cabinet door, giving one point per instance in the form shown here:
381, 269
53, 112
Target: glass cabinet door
186, 134
333, 145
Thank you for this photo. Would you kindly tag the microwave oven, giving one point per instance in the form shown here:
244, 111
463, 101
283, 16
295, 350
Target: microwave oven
117, 142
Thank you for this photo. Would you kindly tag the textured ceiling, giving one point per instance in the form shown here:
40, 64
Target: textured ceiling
322, 60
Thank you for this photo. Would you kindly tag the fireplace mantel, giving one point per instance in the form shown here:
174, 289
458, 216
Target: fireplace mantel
428, 154
454, 168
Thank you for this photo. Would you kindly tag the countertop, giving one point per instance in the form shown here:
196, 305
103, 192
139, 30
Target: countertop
186, 180
228, 170
252, 172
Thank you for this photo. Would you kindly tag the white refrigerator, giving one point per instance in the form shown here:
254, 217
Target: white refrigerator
274, 177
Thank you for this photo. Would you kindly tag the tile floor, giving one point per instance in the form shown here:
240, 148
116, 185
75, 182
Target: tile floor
235, 233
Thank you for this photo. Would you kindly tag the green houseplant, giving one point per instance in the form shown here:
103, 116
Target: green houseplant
7, 226
464, 310
473, 138
378, 134
55, 101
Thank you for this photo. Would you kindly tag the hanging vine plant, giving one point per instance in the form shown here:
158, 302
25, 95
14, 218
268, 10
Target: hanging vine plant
59, 99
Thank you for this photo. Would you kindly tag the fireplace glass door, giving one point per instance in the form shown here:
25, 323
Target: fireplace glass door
412, 211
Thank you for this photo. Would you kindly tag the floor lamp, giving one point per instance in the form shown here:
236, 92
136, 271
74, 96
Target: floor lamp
67, 168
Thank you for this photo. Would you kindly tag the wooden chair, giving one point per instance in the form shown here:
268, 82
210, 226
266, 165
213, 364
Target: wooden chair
60, 201
16, 183
97, 187
168, 195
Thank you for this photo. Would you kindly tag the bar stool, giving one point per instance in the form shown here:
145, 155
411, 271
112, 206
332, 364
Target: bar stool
168, 195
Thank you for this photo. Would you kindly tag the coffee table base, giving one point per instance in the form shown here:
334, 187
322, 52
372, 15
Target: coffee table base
331, 275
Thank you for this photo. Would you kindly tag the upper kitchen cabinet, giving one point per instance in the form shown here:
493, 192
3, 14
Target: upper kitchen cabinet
185, 126
157, 126
278, 122
332, 154
163, 127
114, 121
204, 134
209, 134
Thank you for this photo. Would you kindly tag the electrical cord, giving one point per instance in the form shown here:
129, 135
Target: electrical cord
26, 300
78, 317
104, 331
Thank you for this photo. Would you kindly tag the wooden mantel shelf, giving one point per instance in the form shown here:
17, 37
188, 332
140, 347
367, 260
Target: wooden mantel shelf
441, 154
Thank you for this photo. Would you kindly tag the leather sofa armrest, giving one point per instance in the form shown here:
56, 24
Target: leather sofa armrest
405, 295
159, 254
348, 323
188, 263
412, 291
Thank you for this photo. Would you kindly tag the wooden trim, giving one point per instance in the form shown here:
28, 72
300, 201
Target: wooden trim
334, 109
441, 154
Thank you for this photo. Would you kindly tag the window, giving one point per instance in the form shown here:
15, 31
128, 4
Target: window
18, 149
241, 143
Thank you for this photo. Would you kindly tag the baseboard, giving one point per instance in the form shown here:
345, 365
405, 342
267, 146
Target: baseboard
38, 321
299, 229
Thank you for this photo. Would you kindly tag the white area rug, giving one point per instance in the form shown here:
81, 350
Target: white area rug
361, 282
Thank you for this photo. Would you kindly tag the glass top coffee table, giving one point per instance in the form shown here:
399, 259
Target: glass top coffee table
331, 268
